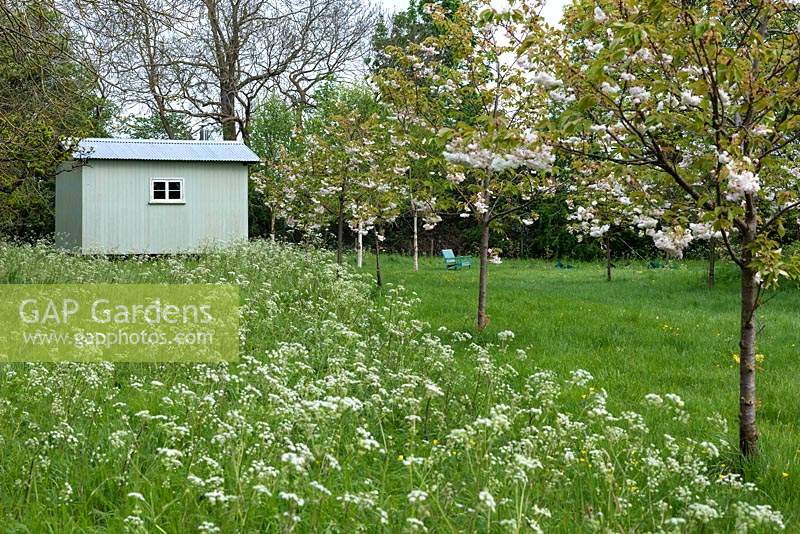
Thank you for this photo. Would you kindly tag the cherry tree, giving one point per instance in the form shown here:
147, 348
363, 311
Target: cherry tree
423, 179
274, 138
412, 158
502, 166
600, 208
352, 171
410, 85
700, 102
322, 179
383, 182
497, 165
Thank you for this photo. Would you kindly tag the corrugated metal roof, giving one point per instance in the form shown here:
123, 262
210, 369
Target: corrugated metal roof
164, 150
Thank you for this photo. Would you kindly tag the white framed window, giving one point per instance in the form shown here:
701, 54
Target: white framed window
167, 191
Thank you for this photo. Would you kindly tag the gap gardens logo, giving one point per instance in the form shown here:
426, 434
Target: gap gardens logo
119, 322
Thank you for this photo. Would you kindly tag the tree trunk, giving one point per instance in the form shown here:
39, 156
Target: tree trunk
712, 262
272, 224
228, 113
608, 257
483, 319
164, 118
153, 86
360, 246
244, 124
748, 436
340, 234
416, 243
378, 277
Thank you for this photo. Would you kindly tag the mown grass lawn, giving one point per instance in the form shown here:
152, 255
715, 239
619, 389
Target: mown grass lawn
649, 330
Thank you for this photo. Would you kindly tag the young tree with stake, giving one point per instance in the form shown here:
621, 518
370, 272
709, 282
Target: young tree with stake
410, 84
383, 182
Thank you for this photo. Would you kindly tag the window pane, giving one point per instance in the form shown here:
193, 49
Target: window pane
174, 190
159, 190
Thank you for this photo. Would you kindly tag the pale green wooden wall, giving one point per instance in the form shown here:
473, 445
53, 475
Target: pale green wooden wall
117, 217
68, 207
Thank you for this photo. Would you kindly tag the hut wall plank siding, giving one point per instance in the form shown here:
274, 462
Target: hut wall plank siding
68, 221
118, 217
103, 198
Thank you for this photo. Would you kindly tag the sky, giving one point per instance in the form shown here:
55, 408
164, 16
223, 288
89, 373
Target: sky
552, 8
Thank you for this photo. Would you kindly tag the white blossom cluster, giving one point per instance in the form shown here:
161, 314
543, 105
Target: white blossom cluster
672, 240
704, 231
741, 181
600, 206
475, 156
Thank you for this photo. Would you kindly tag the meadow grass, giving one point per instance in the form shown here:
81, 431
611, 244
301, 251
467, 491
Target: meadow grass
353, 409
647, 330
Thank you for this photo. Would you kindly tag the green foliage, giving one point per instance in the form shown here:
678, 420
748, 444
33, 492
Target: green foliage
335, 100
47, 102
405, 28
274, 139
151, 126
272, 130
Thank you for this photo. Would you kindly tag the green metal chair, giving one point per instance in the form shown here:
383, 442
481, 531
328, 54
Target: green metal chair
453, 262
